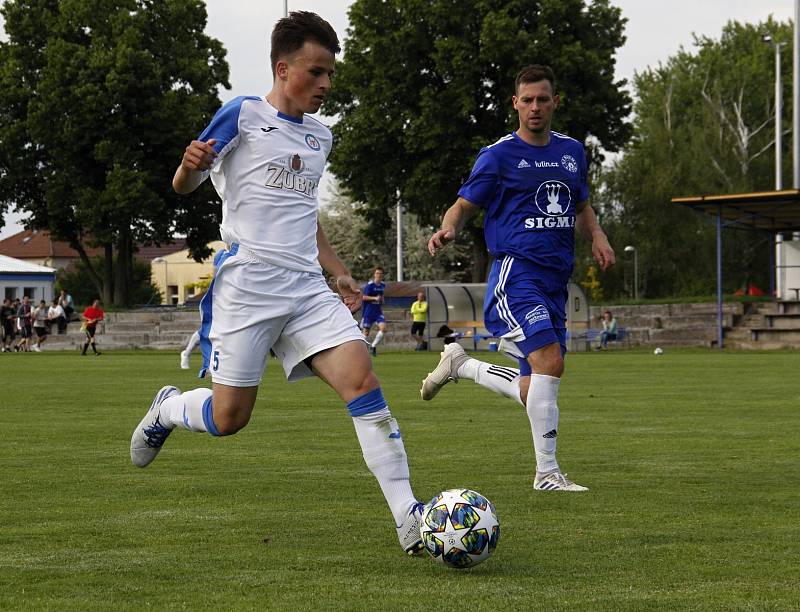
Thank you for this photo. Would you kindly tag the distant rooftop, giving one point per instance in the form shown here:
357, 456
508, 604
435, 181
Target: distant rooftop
37, 244
18, 266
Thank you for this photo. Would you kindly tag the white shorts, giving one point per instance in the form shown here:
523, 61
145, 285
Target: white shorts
252, 306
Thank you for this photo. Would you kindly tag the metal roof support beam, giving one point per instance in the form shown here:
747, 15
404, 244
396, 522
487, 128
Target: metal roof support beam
720, 331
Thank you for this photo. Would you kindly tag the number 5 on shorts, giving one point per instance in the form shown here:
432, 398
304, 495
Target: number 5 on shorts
216, 361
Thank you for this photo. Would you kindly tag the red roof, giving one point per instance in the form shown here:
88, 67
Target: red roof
37, 244
34, 244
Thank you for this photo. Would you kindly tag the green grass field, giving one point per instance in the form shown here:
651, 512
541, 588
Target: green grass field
692, 457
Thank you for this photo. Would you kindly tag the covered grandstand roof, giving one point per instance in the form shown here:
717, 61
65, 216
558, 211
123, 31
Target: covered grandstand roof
775, 211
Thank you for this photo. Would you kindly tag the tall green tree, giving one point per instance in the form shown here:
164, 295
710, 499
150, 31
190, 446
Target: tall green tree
704, 125
425, 84
98, 98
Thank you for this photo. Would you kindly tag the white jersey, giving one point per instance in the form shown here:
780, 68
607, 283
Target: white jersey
267, 174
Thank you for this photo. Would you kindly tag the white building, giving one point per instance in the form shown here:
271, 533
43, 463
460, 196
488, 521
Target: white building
19, 278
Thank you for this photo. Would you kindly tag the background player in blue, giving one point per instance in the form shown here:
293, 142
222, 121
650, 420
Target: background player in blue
532, 185
265, 157
372, 311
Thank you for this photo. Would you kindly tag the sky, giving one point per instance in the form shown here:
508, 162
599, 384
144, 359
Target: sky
656, 30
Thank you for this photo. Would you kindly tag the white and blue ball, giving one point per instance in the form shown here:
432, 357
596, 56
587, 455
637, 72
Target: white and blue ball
459, 528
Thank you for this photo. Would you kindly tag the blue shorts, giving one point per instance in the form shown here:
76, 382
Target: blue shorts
366, 323
520, 308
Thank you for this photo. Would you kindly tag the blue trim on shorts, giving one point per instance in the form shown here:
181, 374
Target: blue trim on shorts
208, 417
206, 308
371, 401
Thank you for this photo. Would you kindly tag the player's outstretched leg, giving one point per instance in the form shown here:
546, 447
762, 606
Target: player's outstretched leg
456, 365
191, 410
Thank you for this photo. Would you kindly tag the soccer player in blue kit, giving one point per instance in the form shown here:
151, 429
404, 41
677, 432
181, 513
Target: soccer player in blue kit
372, 312
533, 188
265, 157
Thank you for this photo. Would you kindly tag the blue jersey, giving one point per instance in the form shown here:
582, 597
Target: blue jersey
529, 194
371, 310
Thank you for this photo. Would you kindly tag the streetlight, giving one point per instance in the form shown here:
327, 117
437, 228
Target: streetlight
160, 260
632, 249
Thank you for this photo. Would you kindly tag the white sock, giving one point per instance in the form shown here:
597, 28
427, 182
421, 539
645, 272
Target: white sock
385, 456
193, 342
185, 410
543, 414
503, 381
378, 338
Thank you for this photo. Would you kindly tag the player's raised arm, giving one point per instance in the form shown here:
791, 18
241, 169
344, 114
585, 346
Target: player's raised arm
586, 223
452, 224
197, 158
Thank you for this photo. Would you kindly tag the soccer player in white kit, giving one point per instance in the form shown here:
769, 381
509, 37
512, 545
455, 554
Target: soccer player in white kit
265, 157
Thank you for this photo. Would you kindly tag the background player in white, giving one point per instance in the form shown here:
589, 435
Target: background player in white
372, 311
191, 344
265, 157
533, 185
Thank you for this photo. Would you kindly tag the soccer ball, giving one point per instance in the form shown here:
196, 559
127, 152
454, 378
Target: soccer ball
658, 351
459, 528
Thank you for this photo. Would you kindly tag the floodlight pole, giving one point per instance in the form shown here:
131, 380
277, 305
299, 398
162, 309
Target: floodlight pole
285, 8
778, 117
767, 38
400, 241
796, 98
632, 249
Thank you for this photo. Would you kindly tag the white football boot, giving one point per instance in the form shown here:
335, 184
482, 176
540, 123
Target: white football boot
409, 533
556, 481
150, 433
184, 360
453, 357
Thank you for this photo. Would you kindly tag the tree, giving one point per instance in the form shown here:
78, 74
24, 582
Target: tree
425, 84
703, 126
361, 249
98, 98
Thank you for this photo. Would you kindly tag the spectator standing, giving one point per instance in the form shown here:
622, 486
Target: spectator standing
56, 314
39, 317
91, 317
419, 316
65, 301
25, 324
7, 319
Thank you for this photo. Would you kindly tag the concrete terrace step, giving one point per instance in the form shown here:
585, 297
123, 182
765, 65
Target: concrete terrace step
782, 321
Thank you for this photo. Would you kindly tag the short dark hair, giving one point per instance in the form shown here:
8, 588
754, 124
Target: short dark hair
533, 73
379, 268
291, 33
